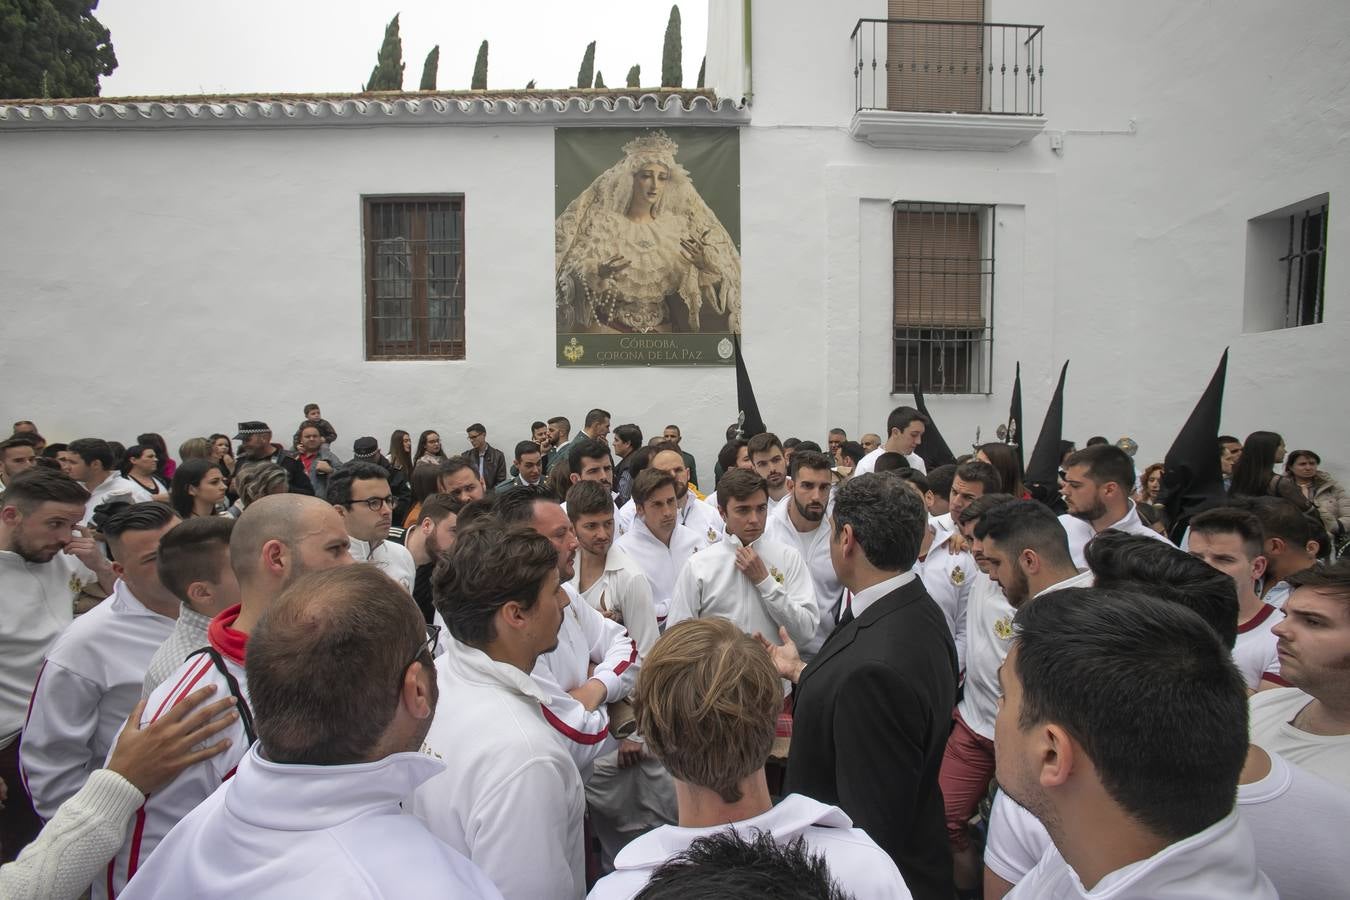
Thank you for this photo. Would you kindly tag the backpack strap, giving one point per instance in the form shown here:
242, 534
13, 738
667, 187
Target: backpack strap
245, 714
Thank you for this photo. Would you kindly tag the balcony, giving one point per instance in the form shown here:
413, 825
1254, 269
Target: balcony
941, 84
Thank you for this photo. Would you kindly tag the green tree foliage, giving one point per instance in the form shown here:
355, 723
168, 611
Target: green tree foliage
52, 48
429, 69
599, 80
702, 71
634, 78
672, 71
479, 82
388, 72
585, 75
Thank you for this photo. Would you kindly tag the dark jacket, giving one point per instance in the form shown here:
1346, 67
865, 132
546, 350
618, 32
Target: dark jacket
494, 464
693, 470
296, 475
873, 713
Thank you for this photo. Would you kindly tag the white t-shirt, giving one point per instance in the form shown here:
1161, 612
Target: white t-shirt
1214, 863
1080, 531
869, 462
394, 560
1298, 821
814, 547
109, 489
39, 602
1254, 652
855, 861
1322, 754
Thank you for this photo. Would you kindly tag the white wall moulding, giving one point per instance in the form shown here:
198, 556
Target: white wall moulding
577, 108
943, 131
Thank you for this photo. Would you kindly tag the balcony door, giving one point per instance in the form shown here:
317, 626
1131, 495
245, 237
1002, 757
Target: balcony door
935, 67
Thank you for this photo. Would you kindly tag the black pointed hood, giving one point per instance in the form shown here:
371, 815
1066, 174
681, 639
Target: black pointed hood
1042, 474
1016, 424
751, 422
1193, 480
933, 449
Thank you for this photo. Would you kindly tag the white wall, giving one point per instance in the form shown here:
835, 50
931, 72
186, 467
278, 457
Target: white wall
180, 280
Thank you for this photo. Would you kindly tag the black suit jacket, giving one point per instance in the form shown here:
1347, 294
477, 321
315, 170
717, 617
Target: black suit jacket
872, 716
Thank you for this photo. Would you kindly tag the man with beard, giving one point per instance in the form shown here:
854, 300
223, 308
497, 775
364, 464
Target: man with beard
360, 493
766, 456
673, 436
799, 524
45, 562
1019, 547
595, 662
256, 446
758, 583
698, 517
320, 666
1096, 483
18, 454
427, 541
276, 540
510, 797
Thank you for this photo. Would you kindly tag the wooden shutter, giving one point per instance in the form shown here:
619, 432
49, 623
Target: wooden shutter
939, 266
935, 67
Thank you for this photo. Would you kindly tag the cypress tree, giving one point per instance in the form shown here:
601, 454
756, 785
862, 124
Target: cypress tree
51, 49
429, 69
599, 80
634, 77
479, 82
702, 71
672, 72
388, 72
585, 75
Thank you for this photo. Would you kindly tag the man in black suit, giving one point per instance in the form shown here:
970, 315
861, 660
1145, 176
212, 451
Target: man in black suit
487, 461
874, 708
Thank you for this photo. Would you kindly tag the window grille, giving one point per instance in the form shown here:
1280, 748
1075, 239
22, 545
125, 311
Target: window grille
943, 297
1305, 267
414, 266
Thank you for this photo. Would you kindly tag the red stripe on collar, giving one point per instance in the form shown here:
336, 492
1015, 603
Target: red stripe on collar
230, 643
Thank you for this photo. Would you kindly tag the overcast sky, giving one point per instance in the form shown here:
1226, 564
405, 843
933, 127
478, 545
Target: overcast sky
329, 46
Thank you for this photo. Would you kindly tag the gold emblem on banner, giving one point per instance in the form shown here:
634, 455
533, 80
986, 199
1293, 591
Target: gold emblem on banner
1003, 629
958, 576
574, 351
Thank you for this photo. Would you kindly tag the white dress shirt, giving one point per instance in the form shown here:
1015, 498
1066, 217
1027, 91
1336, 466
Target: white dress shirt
711, 585
510, 798
622, 586
1080, 531
814, 548
855, 861
88, 686
311, 831
394, 560
869, 595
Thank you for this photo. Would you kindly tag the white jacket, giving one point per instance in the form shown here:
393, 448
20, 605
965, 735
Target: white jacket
948, 577
283, 831
814, 548
855, 861
659, 562
622, 586
586, 638
89, 684
711, 585
698, 516
510, 798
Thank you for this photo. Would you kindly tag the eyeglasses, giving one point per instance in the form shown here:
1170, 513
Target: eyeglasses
373, 503
429, 647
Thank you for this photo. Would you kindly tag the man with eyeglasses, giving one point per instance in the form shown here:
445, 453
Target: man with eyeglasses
314, 807
360, 492
276, 540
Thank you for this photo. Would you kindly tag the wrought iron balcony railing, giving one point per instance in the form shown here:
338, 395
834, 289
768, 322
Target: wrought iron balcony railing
946, 66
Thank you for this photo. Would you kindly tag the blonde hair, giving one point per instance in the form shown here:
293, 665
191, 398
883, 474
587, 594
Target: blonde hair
194, 448
707, 701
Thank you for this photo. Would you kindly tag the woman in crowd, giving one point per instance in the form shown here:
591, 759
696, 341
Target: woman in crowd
194, 448
165, 469
429, 449
223, 453
198, 488
400, 451
139, 464
1004, 461
1150, 485
1254, 475
425, 482
1321, 490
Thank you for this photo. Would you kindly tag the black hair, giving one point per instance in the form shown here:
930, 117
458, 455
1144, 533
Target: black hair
852, 450
525, 448
28, 490
1105, 463
940, 480
116, 517
516, 506
1232, 520
890, 461
727, 866
1026, 525
490, 565
902, 417
588, 498
810, 459
1148, 691
1256, 467
629, 434
888, 519
594, 417
340, 482
983, 474
586, 449
476, 427
93, 450
194, 550
189, 474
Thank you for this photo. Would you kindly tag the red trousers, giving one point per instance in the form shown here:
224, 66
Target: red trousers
967, 767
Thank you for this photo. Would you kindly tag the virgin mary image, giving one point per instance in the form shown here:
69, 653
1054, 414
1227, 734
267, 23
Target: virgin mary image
639, 251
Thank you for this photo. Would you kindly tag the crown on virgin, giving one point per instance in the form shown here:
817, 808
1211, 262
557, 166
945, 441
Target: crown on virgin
656, 143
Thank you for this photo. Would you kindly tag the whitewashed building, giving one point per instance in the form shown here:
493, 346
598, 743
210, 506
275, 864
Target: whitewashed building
1157, 192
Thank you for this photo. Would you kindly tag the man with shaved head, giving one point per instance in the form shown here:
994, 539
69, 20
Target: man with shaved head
276, 540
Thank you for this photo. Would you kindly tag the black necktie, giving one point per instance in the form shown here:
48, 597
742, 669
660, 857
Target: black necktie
845, 618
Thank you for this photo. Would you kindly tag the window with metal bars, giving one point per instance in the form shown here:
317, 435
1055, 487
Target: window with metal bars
414, 274
943, 297
1305, 267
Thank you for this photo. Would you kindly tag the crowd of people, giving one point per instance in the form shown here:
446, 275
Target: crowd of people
855, 670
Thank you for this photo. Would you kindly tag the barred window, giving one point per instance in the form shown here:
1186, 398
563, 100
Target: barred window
944, 296
414, 277
1286, 272
1305, 271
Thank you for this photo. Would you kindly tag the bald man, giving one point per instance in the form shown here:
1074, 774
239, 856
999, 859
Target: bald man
276, 540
